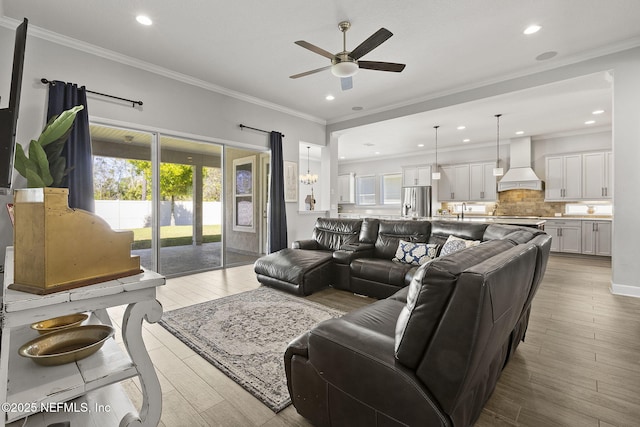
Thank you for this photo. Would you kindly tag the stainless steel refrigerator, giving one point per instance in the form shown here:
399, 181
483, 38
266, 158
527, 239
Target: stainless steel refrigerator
416, 201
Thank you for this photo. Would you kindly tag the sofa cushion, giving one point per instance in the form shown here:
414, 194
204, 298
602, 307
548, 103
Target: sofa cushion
415, 253
441, 230
428, 295
454, 244
391, 232
332, 233
380, 270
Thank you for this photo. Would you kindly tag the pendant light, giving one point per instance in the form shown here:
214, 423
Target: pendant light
498, 171
436, 175
308, 179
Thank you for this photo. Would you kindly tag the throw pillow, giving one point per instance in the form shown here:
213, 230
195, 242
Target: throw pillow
415, 253
454, 244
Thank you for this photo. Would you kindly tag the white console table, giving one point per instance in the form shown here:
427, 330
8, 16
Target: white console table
89, 386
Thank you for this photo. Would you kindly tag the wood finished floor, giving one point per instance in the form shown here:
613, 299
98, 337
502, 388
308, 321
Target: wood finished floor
579, 365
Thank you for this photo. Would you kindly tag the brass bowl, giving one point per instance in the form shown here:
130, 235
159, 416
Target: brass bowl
58, 323
66, 345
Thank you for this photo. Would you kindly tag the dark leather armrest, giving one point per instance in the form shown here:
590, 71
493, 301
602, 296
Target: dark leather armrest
298, 347
346, 256
305, 244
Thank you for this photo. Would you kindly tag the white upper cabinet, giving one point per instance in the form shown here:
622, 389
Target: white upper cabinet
597, 175
482, 183
416, 175
454, 183
564, 177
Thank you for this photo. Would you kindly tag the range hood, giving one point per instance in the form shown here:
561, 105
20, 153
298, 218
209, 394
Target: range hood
520, 176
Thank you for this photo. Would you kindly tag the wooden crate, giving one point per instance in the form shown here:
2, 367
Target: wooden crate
58, 248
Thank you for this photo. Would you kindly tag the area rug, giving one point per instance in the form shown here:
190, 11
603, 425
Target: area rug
245, 336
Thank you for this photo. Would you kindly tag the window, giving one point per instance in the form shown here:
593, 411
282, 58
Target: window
391, 188
366, 190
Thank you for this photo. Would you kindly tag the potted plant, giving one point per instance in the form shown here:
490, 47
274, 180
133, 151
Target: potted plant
45, 166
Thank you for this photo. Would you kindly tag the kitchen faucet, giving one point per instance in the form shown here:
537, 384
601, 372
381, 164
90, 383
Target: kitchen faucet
464, 207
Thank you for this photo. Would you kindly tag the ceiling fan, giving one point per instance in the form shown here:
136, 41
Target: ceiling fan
345, 64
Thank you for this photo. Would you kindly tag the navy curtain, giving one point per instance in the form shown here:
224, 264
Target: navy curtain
277, 217
77, 150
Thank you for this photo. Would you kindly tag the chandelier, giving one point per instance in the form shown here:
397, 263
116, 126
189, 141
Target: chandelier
308, 179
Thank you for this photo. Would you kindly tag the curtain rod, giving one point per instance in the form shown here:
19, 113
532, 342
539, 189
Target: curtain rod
259, 130
133, 103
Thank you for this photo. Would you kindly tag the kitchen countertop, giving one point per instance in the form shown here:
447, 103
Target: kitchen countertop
512, 220
500, 219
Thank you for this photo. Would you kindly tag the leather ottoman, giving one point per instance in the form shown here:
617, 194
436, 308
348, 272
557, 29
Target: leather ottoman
300, 272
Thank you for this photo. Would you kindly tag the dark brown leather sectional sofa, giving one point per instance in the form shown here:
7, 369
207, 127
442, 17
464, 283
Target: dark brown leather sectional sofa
431, 353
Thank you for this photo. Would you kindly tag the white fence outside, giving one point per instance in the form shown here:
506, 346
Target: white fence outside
128, 214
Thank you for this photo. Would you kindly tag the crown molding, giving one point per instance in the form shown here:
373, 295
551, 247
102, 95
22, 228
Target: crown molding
110, 55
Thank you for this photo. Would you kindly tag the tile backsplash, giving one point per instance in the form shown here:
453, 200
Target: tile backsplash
520, 203
526, 203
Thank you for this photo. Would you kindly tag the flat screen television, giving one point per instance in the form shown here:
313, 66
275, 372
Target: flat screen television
9, 115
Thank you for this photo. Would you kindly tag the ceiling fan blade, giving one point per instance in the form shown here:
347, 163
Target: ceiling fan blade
346, 83
306, 73
381, 66
371, 43
315, 49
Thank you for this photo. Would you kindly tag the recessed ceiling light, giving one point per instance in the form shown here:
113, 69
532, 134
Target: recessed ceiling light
342, 157
368, 144
420, 145
356, 108
520, 132
466, 140
546, 55
461, 127
589, 122
376, 153
598, 112
329, 97
144, 20
532, 29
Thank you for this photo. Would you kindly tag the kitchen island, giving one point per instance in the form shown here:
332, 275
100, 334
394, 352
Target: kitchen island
534, 222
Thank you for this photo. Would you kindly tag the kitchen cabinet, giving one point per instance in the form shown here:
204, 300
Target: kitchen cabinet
597, 176
416, 175
596, 237
563, 177
454, 183
347, 188
566, 235
27, 387
482, 183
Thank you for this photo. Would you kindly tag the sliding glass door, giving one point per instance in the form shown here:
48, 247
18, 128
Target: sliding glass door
170, 192
123, 193
190, 206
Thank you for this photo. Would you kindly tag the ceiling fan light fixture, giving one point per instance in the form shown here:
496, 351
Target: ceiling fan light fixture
344, 69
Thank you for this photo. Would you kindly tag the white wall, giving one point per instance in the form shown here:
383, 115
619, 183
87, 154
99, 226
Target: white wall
626, 176
169, 105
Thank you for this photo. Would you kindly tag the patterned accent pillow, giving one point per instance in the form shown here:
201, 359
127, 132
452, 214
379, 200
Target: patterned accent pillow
454, 244
415, 253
